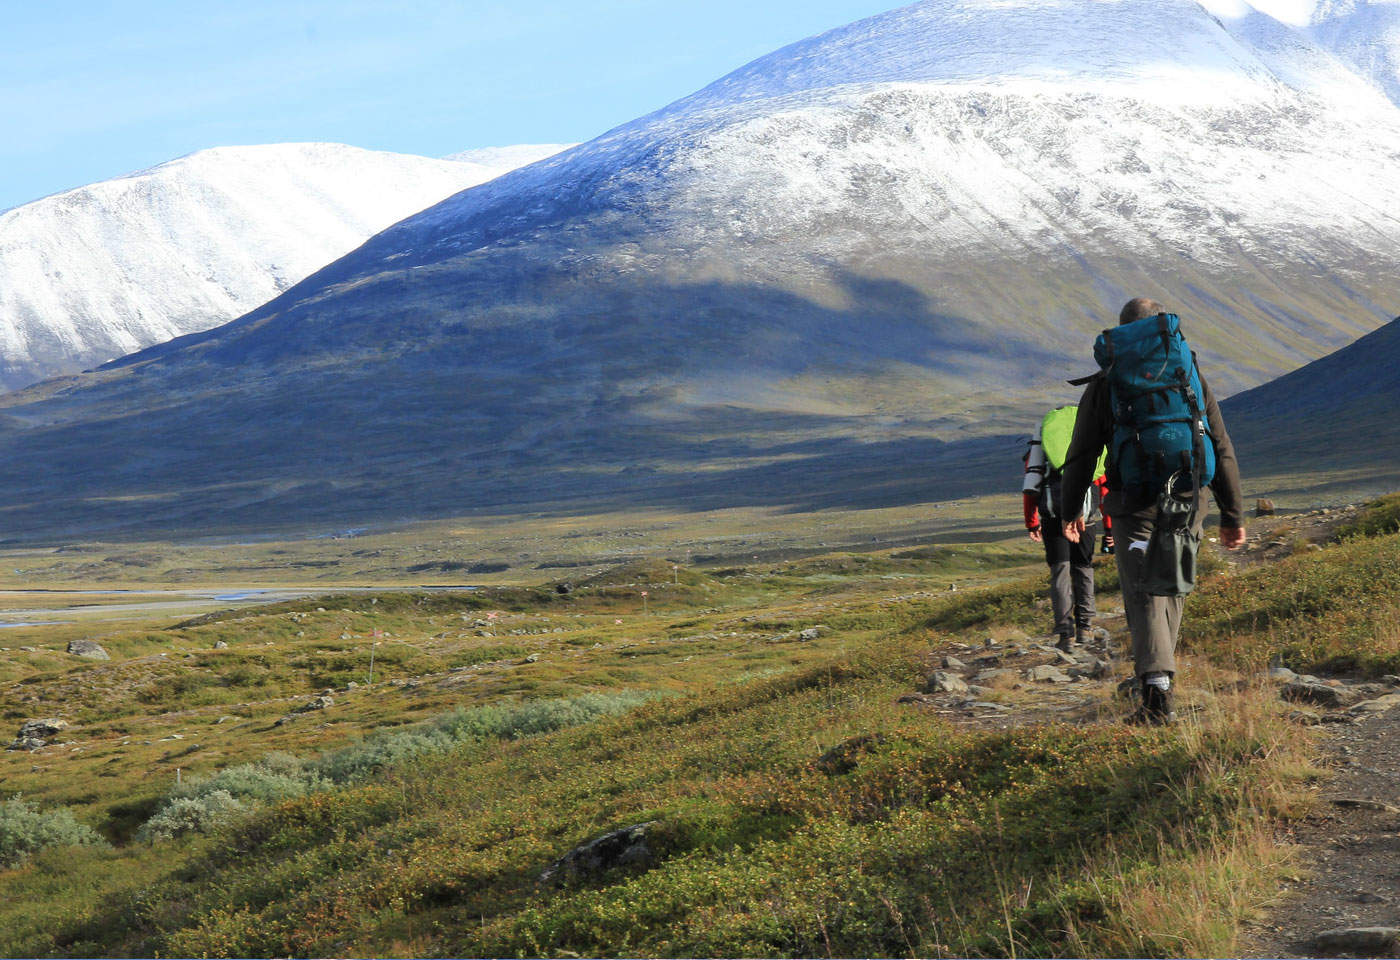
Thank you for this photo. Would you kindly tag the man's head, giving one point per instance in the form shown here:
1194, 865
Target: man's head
1139, 308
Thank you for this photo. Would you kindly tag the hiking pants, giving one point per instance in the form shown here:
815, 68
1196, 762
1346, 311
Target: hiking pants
1071, 577
1154, 622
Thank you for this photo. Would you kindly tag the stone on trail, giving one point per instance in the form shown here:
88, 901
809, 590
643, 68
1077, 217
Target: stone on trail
1048, 673
1379, 705
1366, 941
953, 663
944, 682
1365, 803
983, 676
87, 649
620, 848
1313, 692
317, 703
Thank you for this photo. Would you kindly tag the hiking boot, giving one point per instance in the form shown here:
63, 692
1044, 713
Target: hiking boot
1158, 707
1065, 644
1086, 637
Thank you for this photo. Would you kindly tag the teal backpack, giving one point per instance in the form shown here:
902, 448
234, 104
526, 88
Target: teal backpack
1159, 420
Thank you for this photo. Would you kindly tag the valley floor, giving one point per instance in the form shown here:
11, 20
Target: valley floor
772, 730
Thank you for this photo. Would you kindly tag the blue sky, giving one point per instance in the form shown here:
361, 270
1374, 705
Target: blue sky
90, 90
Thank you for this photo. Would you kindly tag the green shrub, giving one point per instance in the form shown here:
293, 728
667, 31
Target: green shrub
25, 829
1378, 518
184, 815
277, 776
509, 721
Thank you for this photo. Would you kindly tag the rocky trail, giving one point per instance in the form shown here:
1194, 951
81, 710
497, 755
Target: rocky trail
1345, 897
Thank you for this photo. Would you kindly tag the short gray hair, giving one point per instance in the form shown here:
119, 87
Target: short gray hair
1139, 308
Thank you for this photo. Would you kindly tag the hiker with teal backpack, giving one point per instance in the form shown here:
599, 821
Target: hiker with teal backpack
1154, 414
1071, 564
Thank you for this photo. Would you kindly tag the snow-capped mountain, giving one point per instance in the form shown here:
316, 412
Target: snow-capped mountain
100, 271
1366, 34
896, 237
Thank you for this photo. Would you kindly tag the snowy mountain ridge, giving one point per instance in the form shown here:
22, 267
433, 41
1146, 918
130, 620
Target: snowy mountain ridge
99, 271
865, 256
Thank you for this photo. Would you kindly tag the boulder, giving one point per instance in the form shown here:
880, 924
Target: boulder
953, 663
1282, 675
220, 645
87, 649
944, 682
621, 848
811, 633
1364, 941
1304, 691
1049, 673
27, 743
317, 703
42, 728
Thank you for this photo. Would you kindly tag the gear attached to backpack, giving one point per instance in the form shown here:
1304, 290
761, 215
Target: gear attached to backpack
1159, 422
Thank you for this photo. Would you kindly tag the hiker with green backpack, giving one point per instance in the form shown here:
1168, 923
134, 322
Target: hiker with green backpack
1154, 414
1071, 564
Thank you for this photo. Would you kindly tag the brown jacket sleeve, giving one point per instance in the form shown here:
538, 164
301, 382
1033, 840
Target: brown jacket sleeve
1229, 496
1093, 430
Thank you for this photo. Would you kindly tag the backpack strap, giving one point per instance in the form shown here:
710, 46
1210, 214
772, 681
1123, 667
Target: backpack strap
1081, 381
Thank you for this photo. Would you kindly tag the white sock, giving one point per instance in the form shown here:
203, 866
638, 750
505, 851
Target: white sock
1162, 681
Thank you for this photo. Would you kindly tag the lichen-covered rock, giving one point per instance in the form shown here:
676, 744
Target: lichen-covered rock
87, 649
621, 848
944, 682
42, 728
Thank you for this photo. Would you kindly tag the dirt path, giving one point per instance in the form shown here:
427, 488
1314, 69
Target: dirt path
1349, 875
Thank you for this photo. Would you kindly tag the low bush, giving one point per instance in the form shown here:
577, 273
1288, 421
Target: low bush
277, 776
199, 814
25, 829
205, 804
1377, 518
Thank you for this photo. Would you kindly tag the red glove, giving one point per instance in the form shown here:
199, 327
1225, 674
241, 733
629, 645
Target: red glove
1029, 503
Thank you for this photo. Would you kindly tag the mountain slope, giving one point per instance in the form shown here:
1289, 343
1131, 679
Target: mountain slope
112, 267
1337, 414
833, 276
1366, 34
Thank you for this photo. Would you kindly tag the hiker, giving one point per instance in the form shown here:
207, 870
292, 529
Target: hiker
1071, 564
1155, 413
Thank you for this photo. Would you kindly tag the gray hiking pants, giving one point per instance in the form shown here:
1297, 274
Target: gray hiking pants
1071, 578
1154, 622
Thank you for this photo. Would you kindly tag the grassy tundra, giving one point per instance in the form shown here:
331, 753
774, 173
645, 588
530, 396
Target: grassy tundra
750, 713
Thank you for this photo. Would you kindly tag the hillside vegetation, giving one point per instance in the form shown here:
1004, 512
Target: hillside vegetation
759, 727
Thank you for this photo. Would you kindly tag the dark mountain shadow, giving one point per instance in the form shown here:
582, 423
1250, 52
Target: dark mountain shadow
392, 412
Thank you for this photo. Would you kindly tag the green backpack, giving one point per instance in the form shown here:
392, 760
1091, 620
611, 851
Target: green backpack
1056, 431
